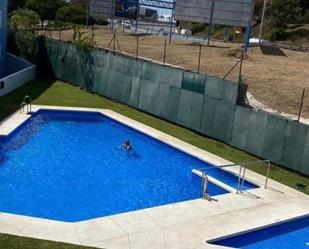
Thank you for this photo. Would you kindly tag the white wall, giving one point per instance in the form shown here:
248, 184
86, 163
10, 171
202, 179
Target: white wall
17, 79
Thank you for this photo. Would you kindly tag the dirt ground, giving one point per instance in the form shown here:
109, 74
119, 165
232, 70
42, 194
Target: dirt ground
275, 80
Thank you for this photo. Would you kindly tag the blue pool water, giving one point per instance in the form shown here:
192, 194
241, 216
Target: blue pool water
290, 235
69, 166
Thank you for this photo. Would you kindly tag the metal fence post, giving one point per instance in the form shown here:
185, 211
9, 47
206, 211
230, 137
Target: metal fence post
137, 14
211, 20
199, 59
240, 68
262, 21
87, 13
301, 104
114, 40
225, 34
164, 54
137, 43
171, 24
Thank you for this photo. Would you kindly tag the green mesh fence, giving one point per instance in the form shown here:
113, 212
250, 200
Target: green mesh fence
150, 72
213, 88
207, 120
294, 145
217, 119
256, 132
274, 138
148, 95
102, 77
110, 83
133, 67
194, 82
303, 167
240, 127
97, 79
126, 88
183, 114
224, 119
199, 102
171, 76
172, 104
221, 89
249, 130
69, 70
190, 109
161, 101
196, 111
135, 91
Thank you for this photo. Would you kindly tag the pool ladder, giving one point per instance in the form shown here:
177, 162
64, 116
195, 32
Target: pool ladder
27, 103
204, 191
241, 176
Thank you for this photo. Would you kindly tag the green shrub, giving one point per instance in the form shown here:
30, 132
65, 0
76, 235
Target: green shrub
46, 9
23, 19
277, 34
198, 27
82, 40
26, 43
101, 21
71, 14
305, 17
281, 13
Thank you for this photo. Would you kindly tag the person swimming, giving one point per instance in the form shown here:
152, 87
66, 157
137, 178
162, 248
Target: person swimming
126, 145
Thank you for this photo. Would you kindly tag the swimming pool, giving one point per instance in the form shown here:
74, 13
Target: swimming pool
288, 235
69, 166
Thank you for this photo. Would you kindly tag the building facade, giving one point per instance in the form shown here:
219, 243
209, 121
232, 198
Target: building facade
3, 36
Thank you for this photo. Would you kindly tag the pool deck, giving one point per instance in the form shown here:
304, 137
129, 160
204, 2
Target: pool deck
184, 225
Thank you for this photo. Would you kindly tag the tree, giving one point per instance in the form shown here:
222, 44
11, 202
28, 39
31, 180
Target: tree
23, 19
72, 14
304, 5
15, 4
46, 9
82, 39
22, 37
283, 12
258, 9
26, 44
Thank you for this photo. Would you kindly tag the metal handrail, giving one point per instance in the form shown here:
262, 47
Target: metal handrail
27, 97
27, 101
242, 171
204, 192
236, 164
242, 174
22, 107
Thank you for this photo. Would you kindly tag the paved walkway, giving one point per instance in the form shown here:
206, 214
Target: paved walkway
186, 225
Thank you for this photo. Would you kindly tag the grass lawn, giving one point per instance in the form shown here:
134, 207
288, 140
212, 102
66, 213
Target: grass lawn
51, 92
16, 242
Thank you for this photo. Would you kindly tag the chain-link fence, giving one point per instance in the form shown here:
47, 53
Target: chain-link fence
185, 52
268, 77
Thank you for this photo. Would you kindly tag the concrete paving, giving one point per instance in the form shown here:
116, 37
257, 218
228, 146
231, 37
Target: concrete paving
187, 225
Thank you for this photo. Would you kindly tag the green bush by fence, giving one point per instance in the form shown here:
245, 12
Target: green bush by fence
199, 102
